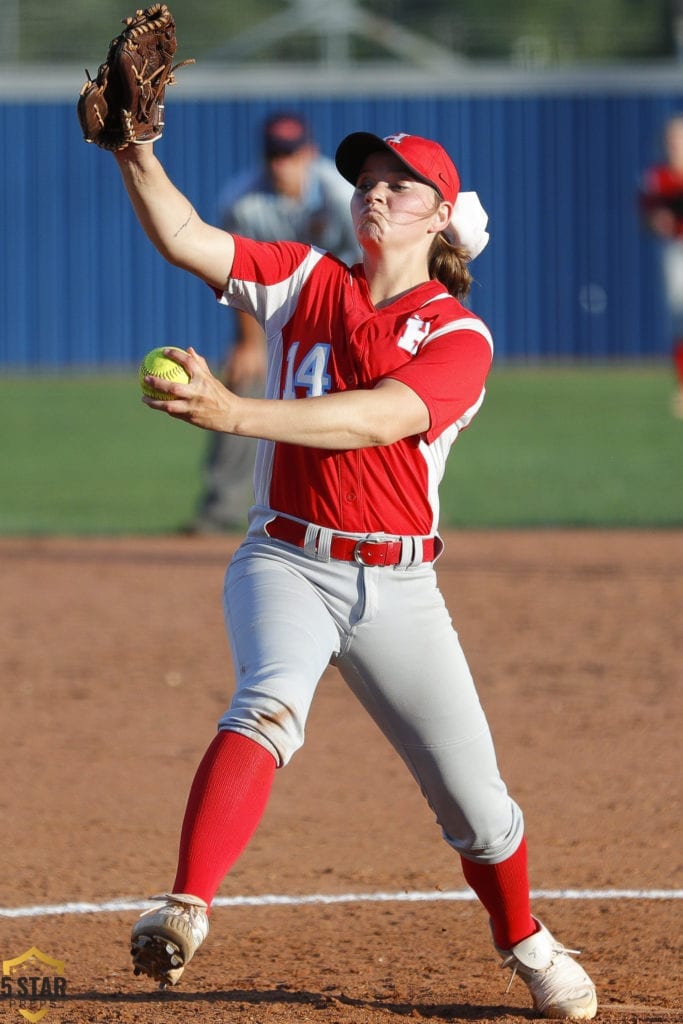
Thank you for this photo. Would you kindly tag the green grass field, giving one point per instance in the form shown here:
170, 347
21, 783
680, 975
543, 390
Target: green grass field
583, 446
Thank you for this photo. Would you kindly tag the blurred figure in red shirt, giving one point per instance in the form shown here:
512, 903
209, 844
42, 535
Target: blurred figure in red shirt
661, 206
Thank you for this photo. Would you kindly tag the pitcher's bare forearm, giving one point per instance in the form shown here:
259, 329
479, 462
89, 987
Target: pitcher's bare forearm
339, 421
170, 221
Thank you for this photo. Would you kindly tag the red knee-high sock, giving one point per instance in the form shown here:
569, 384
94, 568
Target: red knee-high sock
227, 799
504, 891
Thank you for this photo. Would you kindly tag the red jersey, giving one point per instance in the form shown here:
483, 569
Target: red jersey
325, 335
662, 188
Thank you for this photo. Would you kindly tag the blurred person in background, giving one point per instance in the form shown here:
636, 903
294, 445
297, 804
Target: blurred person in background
294, 195
661, 206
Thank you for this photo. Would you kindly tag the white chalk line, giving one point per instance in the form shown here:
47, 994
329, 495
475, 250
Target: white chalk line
122, 905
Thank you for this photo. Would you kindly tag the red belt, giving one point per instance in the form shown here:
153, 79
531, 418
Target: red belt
366, 551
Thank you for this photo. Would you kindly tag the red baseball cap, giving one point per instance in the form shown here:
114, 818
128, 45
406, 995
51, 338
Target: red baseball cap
426, 160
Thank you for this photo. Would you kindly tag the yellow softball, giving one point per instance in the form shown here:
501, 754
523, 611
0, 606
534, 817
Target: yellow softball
156, 363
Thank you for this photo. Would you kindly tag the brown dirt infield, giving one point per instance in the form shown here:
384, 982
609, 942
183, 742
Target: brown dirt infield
114, 669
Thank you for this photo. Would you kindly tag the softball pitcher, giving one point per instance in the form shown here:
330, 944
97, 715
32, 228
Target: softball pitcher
373, 372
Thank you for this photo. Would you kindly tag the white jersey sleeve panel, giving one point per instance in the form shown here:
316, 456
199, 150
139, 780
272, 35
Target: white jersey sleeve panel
271, 304
466, 323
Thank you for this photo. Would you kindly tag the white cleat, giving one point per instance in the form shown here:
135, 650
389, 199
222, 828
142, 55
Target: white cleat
164, 939
560, 988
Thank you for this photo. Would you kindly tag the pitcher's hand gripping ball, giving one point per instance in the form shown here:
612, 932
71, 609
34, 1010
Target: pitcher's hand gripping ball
159, 365
125, 103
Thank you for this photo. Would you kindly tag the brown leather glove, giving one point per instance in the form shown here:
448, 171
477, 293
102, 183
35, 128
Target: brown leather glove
125, 103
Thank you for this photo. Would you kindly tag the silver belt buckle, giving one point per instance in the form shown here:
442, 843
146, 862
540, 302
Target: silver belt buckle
358, 557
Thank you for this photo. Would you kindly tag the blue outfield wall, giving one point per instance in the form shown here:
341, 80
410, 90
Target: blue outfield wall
569, 272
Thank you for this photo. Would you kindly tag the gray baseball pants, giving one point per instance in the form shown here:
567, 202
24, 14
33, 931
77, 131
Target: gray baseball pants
289, 614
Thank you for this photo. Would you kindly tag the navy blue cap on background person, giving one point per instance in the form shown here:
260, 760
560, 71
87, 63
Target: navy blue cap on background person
285, 134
